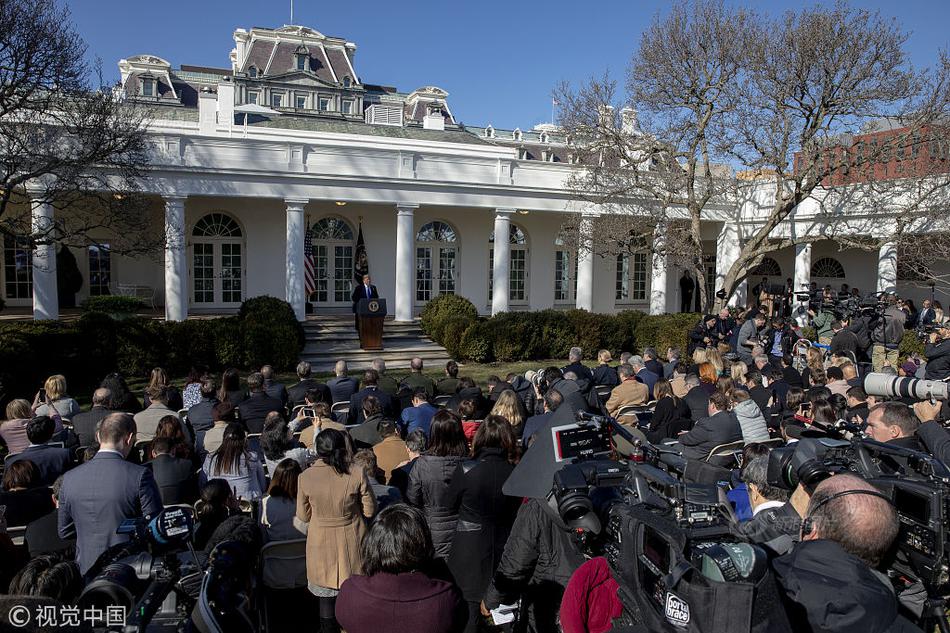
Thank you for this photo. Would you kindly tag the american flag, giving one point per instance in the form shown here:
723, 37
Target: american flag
309, 285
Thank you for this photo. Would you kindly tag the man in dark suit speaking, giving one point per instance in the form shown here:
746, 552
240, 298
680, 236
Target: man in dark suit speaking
97, 496
364, 291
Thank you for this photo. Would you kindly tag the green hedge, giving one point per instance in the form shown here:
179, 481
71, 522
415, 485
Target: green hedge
85, 350
437, 312
112, 304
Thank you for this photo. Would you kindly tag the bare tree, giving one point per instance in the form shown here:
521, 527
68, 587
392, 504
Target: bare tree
65, 140
713, 91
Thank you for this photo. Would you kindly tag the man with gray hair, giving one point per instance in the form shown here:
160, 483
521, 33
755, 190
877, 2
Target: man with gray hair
643, 374
386, 383
273, 388
696, 398
772, 515
629, 392
84, 424
651, 362
305, 382
585, 377
417, 380
342, 387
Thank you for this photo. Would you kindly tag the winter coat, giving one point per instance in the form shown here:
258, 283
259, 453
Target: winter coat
938, 360
751, 421
525, 390
590, 601
485, 516
428, 489
889, 329
399, 603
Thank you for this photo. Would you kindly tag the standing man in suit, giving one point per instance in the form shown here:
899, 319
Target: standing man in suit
364, 291
84, 424
52, 461
97, 496
176, 478
253, 410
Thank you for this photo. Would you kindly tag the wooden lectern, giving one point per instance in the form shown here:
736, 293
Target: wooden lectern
371, 313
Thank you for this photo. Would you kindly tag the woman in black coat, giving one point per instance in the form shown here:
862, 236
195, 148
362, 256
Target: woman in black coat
485, 514
670, 416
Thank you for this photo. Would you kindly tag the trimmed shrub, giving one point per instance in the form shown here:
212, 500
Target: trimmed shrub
270, 333
476, 342
438, 310
112, 304
453, 329
663, 331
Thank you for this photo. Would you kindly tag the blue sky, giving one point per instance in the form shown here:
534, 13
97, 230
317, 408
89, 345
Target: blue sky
499, 61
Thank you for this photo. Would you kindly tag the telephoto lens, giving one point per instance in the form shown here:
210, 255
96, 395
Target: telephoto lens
904, 387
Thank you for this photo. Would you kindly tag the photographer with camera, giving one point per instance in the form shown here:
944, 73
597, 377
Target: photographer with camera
887, 330
822, 316
829, 579
703, 334
773, 517
895, 424
937, 352
749, 338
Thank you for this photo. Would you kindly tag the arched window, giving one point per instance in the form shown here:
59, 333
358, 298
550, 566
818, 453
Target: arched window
216, 225
347, 82
827, 268
516, 134
436, 260
768, 267
331, 248
517, 265
252, 72
217, 261
490, 132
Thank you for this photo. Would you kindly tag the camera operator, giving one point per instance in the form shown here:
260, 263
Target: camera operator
937, 352
780, 339
828, 580
893, 423
749, 338
859, 326
844, 342
886, 332
823, 316
772, 515
703, 334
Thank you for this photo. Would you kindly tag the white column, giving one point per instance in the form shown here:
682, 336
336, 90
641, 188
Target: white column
502, 261
294, 291
887, 267
658, 273
176, 266
585, 265
802, 281
45, 294
405, 243
728, 246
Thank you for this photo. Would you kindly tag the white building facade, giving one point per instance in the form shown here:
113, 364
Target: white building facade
289, 150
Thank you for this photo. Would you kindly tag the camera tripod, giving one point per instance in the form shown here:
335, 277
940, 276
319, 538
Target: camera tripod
934, 614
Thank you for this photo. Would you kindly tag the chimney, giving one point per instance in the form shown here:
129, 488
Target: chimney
434, 119
207, 111
628, 120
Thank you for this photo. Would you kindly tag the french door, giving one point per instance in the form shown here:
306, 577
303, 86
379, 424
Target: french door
217, 273
333, 273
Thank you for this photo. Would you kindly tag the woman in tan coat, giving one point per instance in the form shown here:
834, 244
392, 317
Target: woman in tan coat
335, 501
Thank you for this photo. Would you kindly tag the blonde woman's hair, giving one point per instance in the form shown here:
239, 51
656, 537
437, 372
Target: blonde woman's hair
509, 406
738, 370
158, 379
603, 356
715, 359
18, 409
699, 355
55, 387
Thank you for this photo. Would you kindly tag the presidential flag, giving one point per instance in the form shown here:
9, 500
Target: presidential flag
360, 260
309, 284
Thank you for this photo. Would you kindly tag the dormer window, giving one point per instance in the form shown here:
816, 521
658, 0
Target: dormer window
148, 87
544, 137
252, 72
347, 82
490, 132
516, 134
301, 62
302, 56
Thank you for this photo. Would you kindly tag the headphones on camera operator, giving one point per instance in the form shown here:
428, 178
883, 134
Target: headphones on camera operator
808, 523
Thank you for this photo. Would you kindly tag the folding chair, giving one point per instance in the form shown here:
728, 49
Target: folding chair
441, 401
724, 453
283, 581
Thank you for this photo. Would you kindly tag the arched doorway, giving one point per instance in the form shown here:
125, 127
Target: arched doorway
333, 245
436, 261
517, 265
217, 262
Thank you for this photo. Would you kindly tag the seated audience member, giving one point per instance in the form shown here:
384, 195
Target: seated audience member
201, 414
13, 429
739, 495
175, 476
385, 495
122, 398
396, 591
191, 394
830, 573
467, 412
584, 377
672, 360
231, 390
496, 386
279, 506
146, 420
171, 429
696, 398
763, 396
56, 401
278, 443
836, 382
416, 379
319, 419
671, 415
41, 535
643, 374
366, 435
448, 385
216, 503
391, 451
678, 380
223, 414
629, 392
236, 465
524, 390
49, 576
709, 378
297, 394
85, 424
857, 410
419, 415
159, 382
369, 388
651, 362
341, 386
467, 389
101, 493
51, 461
509, 407
24, 497
772, 515
552, 400
415, 446
718, 427
272, 388
751, 421
851, 375
258, 404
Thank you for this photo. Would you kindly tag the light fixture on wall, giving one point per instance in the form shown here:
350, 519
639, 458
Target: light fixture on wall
522, 212
341, 203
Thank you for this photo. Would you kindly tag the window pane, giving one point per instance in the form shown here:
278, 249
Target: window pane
276, 100
321, 272
301, 102
231, 273
447, 271
100, 269
18, 267
516, 276
491, 272
423, 274
639, 276
623, 275
561, 263
203, 270
252, 97
342, 273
